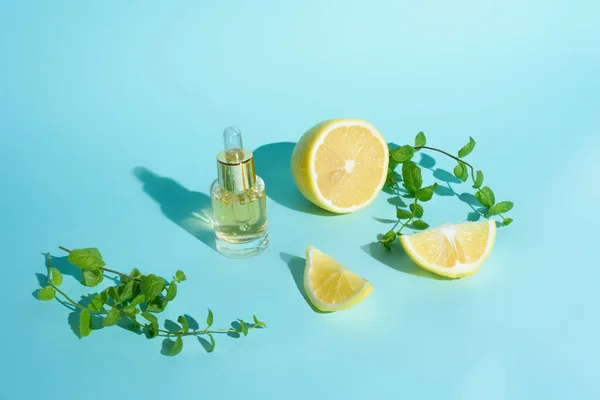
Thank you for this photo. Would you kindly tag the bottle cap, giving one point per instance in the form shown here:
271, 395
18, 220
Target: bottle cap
235, 164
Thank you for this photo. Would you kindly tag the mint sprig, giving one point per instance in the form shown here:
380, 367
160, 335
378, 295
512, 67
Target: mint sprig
409, 185
135, 295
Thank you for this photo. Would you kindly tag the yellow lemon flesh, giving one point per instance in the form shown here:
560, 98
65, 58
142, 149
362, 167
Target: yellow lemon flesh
329, 285
454, 251
341, 165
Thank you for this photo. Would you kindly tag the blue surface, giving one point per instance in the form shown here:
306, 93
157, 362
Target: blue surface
91, 90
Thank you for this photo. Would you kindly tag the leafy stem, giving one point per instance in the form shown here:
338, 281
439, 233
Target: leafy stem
412, 183
135, 294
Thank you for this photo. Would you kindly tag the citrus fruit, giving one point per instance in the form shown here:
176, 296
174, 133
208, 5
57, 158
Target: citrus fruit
341, 164
329, 285
450, 250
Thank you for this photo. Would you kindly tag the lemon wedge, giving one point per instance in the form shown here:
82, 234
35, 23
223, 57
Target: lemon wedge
454, 251
329, 285
341, 164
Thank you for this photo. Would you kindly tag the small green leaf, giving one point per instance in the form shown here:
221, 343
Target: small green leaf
176, 348
478, 180
98, 301
244, 329
85, 323
420, 224
158, 304
485, 196
114, 293
490, 212
402, 154
89, 259
180, 276
138, 300
258, 323
92, 278
153, 327
411, 175
403, 214
152, 285
135, 273
209, 318
131, 310
390, 179
47, 293
424, 194
112, 318
468, 148
56, 276
507, 221
388, 237
460, 171
212, 343
504, 206
417, 210
126, 292
185, 326
420, 140
171, 291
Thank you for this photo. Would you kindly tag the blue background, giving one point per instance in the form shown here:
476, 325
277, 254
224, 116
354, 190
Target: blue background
91, 90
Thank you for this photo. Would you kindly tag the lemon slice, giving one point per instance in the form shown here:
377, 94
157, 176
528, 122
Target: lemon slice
329, 285
454, 251
341, 165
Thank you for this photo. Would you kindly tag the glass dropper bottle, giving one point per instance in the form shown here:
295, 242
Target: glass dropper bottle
238, 200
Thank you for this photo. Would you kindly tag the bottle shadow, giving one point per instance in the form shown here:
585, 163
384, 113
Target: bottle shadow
190, 210
397, 259
272, 163
296, 266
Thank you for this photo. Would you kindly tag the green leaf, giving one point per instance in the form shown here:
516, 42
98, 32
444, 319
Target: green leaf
485, 196
114, 293
176, 348
126, 291
460, 171
403, 214
504, 206
112, 318
402, 154
424, 194
259, 323
390, 178
171, 291
56, 276
244, 327
92, 278
47, 293
131, 310
152, 285
185, 326
180, 276
135, 273
85, 323
468, 148
420, 224
507, 221
138, 300
417, 210
97, 301
388, 237
158, 304
420, 140
411, 175
478, 180
212, 343
89, 259
209, 318
490, 212
153, 327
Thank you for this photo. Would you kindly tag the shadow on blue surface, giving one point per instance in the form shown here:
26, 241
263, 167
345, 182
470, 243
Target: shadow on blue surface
296, 266
397, 259
272, 163
190, 210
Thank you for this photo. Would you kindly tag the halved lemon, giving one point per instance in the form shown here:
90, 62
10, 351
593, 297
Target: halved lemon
341, 164
450, 250
329, 285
